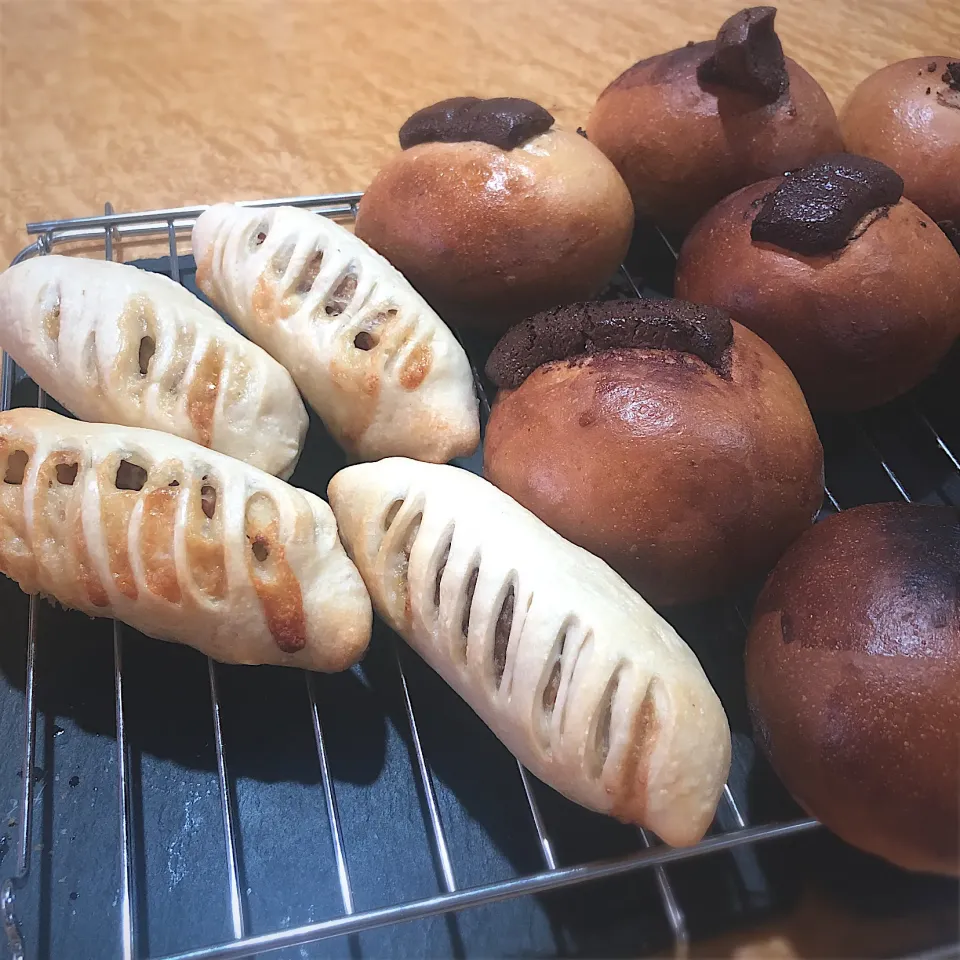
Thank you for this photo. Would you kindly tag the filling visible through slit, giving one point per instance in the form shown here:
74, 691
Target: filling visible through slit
501, 635
403, 562
309, 273
391, 514
16, 467
148, 346
130, 476
257, 239
441, 567
551, 688
208, 501
342, 295
601, 736
467, 605
67, 473
364, 340
51, 321
260, 548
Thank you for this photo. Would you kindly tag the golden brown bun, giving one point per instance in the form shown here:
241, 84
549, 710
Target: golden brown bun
681, 146
685, 482
858, 326
908, 117
853, 679
490, 236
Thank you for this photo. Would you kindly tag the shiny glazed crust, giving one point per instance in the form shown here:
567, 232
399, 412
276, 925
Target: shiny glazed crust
853, 679
583, 681
382, 370
681, 146
858, 326
180, 542
491, 236
114, 344
906, 116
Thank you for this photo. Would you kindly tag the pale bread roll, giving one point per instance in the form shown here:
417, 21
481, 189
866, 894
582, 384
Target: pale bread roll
382, 370
114, 344
179, 542
579, 677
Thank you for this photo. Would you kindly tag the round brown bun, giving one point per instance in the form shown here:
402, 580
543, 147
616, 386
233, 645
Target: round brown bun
491, 231
861, 298
658, 435
853, 679
687, 127
908, 116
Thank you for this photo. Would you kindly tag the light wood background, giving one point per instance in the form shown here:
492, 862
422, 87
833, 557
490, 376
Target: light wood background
150, 104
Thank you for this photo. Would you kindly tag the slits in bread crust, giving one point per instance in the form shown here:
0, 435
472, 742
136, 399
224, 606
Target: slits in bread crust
179, 542
578, 676
115, 344
382, 370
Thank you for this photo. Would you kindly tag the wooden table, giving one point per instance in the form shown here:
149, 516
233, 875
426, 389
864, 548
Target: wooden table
150, 104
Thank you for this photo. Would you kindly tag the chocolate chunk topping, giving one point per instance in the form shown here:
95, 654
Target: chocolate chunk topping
952, 229
594, 327
951, 76
505, 122
748, 56
932, 66
815, 210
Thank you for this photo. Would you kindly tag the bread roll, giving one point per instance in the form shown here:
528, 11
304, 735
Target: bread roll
669, 441
571, 669
179, 542
854, 287
907, 114
384, 373
115, 344
492, 228
689, 126
853, 679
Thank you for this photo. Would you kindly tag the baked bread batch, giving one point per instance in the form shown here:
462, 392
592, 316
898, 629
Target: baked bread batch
640, 453
584, 682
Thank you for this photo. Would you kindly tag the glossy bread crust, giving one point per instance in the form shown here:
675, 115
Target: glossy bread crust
682, 145
853, 679
180, 542
572, 670
491, 236
686, 481
908, 116
858, 326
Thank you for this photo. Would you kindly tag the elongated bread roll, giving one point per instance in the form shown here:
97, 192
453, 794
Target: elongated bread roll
115, 344
581, 679
382, 370
178, 541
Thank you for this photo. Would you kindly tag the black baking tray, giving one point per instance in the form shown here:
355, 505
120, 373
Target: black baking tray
70, 905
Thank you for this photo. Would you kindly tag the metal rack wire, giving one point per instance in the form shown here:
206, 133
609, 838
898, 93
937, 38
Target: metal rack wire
168, 225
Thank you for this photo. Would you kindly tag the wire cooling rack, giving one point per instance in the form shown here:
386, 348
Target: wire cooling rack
924, 467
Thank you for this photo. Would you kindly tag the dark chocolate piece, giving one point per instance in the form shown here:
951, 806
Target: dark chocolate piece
814, 211
594, 327
951, 76
932, 66
952, 229
748, 56
505, 122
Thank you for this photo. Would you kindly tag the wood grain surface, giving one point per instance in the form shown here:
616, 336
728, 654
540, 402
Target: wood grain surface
151, 104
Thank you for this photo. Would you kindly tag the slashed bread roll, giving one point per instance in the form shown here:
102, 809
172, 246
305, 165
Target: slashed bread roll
382, 370
115, 344
578, 676
180, 542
